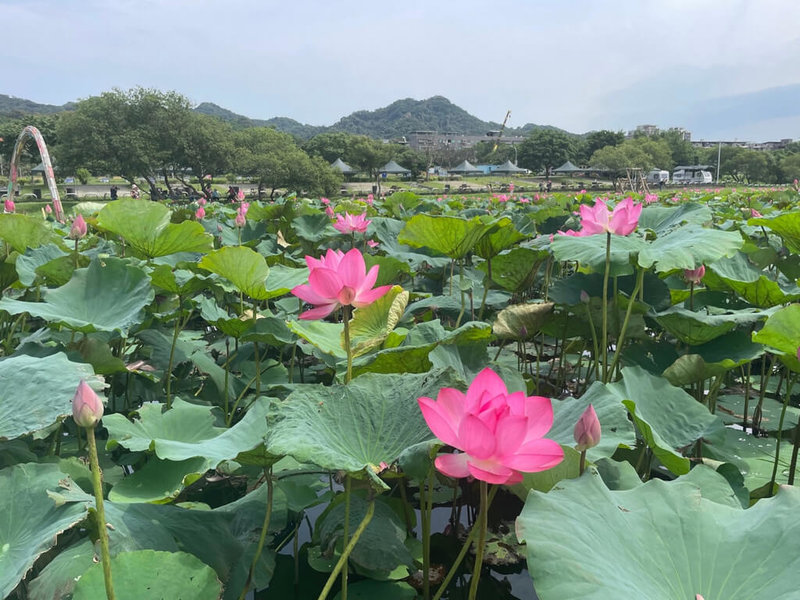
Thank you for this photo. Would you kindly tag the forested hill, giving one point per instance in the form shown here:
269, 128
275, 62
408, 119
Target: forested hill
10, 106
390, 122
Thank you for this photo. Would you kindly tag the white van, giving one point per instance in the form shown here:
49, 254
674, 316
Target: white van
692, 175
657, 176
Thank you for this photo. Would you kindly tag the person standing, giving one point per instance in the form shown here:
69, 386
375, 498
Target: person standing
135, 193
114, 192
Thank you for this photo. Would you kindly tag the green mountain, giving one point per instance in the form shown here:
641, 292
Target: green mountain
13, 107
390, 122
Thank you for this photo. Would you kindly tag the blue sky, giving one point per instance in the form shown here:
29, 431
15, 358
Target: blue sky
723, 68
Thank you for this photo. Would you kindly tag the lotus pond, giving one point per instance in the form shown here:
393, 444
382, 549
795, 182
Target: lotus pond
399, 398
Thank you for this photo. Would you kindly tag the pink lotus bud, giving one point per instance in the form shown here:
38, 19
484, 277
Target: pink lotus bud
694, 275
753, 212
47, 209
240, 219
87, 408
584, 297
200, 213
329, 211
698, 597
587, 430
8, 206
325, 201
240, 195
201, 201
372, 243
78, 229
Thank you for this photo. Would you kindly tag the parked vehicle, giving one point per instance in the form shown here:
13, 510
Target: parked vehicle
657, 176
694, 174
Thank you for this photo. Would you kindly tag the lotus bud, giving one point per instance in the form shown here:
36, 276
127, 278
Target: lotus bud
240, 219
200, 213
47, 209
587, 430
584, 297
8, 206
240, 195
87, 408
201, 201
694, 275
329, 211
78, 229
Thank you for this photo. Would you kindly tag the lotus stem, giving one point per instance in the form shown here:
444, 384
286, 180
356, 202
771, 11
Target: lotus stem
464, 549
262, 538
426, 507
605, 308
346, 312
486, 287
348, 550
482, 524
102, 532
623, 330
582, 464
461, 289
348, 482
786, 397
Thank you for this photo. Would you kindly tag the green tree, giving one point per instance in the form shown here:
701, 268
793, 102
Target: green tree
619, 159
657, 149
485, 153
332, 145
546, 149
369, 155
203, 146
595, 140
790, 167
682, 151
275, 162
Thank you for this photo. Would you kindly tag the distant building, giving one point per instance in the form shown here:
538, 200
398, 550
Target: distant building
651, 130
742, 144
431, 140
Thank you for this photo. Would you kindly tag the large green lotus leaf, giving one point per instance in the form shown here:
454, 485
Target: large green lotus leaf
243, 267
389, 268
751, 283
502, 236
590, 251
786, 225
107, 296
521, 321
282, 279
659, 540
714, 358
158, 481
381, 546
206, 534
30, 518
357, 426
36, 392
152, 575
515, 270
187, 431
668, 418
617, 430
731, 408
451, 236
21, 231
663, 219
753, 456
314, 228
320, 334
146, 226
689, 247
28, 263
177, 281
782, 332
372, 324
697, 328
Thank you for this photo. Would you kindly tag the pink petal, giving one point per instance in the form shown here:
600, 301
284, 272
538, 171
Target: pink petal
319, 312
441, 421
325, 282
352, 269
539, 411
486, 382
452, 465
306, 294
368, 297
509, 434
370, 279
476, 438
535, 456
492, 472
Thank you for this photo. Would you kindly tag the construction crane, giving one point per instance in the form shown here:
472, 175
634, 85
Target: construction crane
502, 129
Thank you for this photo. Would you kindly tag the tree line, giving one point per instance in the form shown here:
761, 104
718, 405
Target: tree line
154, 136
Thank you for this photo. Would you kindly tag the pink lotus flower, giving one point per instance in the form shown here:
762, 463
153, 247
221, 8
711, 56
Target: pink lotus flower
754, 213
325, 201
372, 243
329, 211
240, 195
240, 219
370, 199
48, 209
78, 229
8, 206
511, 188
499, 434
87, 408
622, 221
338, 279
348, 223
200, 213
201, 201
694, 275
587, 429
650, 198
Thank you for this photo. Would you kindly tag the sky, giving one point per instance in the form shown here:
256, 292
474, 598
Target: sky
724, 69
